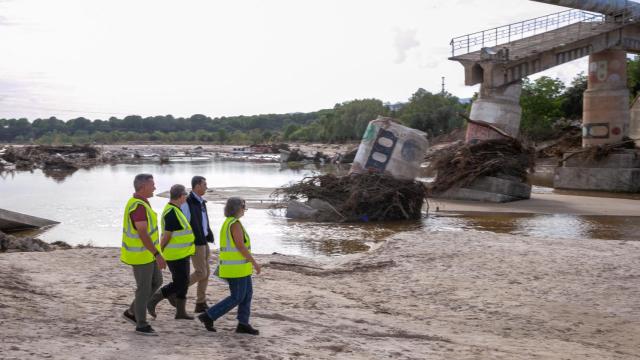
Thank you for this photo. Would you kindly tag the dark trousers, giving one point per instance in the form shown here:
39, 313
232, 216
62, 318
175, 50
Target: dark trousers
241, 293
148, 281
180, 278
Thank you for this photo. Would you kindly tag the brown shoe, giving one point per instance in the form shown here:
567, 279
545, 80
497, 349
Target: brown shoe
201, 307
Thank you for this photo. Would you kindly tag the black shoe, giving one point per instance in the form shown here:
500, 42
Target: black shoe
201, 307
147, 330
246, 329
129, 317
206, 320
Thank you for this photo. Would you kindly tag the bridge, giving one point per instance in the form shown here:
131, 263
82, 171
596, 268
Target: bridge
499, 58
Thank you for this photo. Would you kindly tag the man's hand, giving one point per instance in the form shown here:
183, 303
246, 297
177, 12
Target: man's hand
257, 267
161, 263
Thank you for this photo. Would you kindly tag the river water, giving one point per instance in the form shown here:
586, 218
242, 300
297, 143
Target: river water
89, 205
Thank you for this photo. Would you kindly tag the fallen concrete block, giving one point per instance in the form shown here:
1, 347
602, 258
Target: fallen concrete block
13, 221
298, 210
629, 159
496, 185
600, 179
475, 195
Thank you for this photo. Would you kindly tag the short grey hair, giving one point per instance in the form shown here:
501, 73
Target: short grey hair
233, 206
140, 180
177, 191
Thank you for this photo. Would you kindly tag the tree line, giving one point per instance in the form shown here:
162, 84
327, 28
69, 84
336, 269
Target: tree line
433, 113
546, 104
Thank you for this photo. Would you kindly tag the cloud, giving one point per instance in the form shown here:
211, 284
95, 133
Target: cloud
404, 41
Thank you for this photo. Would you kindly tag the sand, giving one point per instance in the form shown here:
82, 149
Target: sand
548, 203
440, 295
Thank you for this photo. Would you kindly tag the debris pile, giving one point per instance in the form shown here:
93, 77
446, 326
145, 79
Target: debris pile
10, 243
570, 140
63, 158
352, 198
296, 155
599, 152
460, 164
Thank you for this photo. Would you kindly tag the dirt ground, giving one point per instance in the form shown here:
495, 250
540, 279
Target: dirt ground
440, 295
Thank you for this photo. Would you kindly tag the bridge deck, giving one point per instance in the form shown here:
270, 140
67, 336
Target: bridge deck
533, 45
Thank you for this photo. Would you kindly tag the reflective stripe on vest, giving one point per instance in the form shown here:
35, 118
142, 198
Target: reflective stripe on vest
181, 244
137, 249
132, 251
232, 263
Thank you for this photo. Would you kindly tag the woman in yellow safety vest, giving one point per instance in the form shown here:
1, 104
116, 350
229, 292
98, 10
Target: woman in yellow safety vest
177, 246
235, 265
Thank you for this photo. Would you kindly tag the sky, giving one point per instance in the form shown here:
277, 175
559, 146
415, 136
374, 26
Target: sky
102, 58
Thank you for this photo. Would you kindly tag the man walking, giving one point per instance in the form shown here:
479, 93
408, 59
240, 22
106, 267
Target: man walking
177, 247
195, 210
141, 249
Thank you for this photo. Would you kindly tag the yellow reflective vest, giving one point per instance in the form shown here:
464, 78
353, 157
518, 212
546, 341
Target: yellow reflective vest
231, 262
181, 243
133, 251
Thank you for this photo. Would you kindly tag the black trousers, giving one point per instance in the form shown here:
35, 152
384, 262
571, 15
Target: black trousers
179, 285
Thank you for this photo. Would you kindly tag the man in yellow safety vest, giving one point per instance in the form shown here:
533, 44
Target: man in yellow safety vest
178, 246
141, 249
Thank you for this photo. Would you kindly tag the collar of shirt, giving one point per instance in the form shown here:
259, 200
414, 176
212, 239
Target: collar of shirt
141, 198
198, 197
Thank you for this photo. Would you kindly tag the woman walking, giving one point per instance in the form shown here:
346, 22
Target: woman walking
236, 266
177, 246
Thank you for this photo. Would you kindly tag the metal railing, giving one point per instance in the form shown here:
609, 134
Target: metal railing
505, 34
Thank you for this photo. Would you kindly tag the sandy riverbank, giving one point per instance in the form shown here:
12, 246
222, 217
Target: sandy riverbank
448, 295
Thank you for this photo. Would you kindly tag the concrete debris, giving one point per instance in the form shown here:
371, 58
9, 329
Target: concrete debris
390, 148
298, 210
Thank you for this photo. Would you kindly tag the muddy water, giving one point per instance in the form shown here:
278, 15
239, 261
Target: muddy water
88, 203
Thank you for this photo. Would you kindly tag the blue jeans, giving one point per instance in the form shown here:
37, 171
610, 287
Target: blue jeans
241, 293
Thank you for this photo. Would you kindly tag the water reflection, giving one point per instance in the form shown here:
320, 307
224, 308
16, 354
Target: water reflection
58, 175
556, 226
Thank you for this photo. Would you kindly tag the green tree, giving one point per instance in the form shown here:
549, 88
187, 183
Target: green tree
572, 97
541, 103
290, 129
434, 114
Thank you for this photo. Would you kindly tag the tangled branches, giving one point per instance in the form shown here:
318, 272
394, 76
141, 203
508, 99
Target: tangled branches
461, 164
599, 152
360, 197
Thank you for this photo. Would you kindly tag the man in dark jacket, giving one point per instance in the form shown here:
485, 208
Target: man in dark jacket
195, 209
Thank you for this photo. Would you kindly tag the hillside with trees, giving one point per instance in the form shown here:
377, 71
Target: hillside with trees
546, 104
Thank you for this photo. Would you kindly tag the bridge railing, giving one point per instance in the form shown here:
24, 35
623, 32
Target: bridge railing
504, 34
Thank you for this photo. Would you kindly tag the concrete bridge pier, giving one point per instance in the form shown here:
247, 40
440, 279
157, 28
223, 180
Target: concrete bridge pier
605, 120
498, 106
605, 116
634, 125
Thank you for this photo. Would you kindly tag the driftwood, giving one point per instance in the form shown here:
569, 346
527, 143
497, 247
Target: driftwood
359, 197
487, 125
599, 152
460, 164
